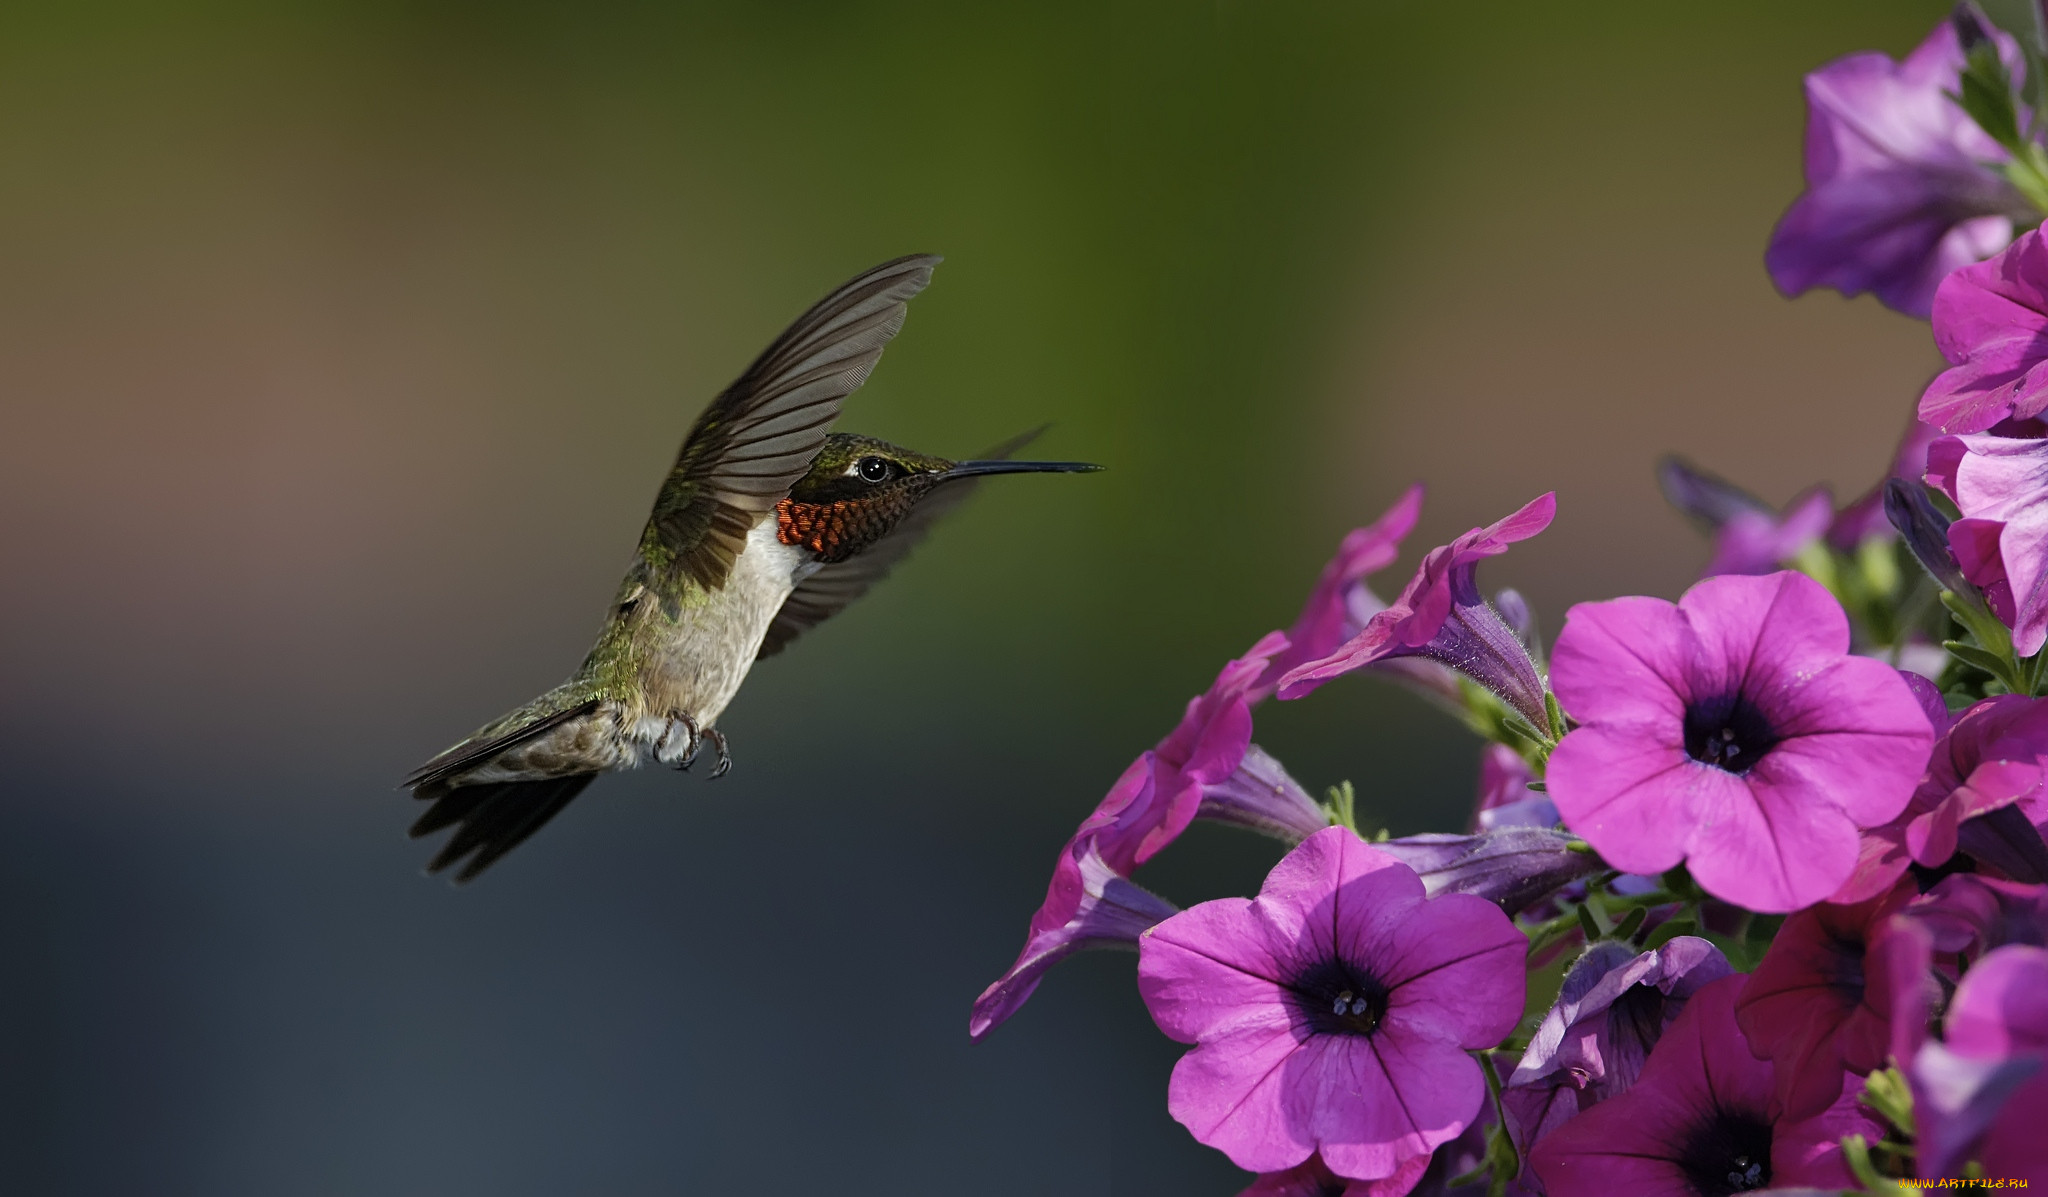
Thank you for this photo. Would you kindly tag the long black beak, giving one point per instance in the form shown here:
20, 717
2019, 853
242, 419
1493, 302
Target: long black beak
970, 469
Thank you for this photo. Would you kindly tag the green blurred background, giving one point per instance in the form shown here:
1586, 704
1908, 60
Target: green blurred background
342, 347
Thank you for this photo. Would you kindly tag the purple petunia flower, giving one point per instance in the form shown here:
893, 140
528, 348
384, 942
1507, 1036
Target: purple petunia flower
1732, 731
2000, 484
1901, 185
1613, 1007
1818, 1006
1700, 1119
1749, 536
1102, 910
1981, 1093
1970, 915
1511, 867
1450, 1161
1340, 604
1334, 1012
1993, 756
1206, 767
1991, 323
1442, 617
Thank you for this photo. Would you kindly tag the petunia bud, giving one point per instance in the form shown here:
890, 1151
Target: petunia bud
1513, 867
1925, 530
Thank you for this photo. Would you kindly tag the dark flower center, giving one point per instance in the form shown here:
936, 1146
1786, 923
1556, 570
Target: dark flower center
1728, 732
1340, 998
1728, 1152
1639, 1012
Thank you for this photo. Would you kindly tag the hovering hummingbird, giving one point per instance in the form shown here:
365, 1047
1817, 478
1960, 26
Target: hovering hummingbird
767, 525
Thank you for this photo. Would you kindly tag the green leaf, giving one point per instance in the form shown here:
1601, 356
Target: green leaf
1970, 654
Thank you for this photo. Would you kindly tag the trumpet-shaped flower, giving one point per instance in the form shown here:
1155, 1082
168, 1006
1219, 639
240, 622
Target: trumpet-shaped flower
1700, 1120
2000, 484
1991, 323
1981, 1093
1334, 1013
1993, 756
1441, 617
1207, 767
1902, 187
1735, 732
1613, 1007
1818, 1006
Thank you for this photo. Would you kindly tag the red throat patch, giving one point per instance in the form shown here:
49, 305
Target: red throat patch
836, 531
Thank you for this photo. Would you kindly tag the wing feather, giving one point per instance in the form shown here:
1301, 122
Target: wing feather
760, 435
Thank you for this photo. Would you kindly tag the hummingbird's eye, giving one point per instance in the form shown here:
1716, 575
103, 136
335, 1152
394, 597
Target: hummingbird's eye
872, 469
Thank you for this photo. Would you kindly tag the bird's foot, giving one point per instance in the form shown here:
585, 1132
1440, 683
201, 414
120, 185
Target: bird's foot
665, 749
724, 765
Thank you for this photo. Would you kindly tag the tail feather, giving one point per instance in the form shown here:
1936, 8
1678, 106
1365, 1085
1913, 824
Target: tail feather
492, 819
524, 724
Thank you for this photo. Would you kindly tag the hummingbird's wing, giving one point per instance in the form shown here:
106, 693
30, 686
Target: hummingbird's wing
761, 433
827, 592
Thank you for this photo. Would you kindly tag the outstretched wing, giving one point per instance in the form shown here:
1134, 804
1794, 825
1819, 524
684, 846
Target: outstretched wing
759, 436
827, 592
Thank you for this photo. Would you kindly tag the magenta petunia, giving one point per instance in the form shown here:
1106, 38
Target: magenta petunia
1333, 1013
1103, 910
1511, 867
1991, 323
1981, 1092
1700, 1120
1817, 1006
1968, 915
1206, 767
1314, 1179
1750, 537
1902, 187
1732, 731
1340, 604
1613, 1006
1994, 755
1753, 542
1441, 617
2000, 484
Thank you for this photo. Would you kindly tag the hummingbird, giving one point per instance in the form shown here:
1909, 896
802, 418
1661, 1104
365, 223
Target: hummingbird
767, 525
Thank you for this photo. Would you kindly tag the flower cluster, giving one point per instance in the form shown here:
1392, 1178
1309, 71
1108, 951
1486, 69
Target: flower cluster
1754, 894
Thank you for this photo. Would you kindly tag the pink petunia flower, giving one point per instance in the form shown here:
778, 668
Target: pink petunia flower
1991, 323
1993, 756
1732, 731
1334, 1012
1612, 1008
1902, 186
1968, 915
2000, 484
1340, 603
1981, 1093
1207, 767
1701, 1119
1441, 617
1819, 1005
1749, 536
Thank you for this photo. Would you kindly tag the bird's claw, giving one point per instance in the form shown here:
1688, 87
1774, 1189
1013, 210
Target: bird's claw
689, 754
724, 765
